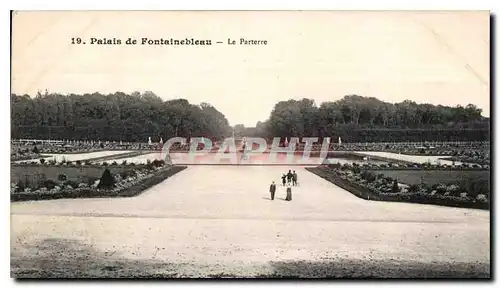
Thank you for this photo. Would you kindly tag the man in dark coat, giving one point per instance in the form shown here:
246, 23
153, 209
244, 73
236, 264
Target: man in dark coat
283, 179
272, 189
289, 176
294, 178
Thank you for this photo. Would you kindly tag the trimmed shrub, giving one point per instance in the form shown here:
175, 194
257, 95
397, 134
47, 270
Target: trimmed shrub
124, 174
395, 187
413, 188
91, 180
482, 198
107, 180
20, 186
71, 183
335, 166
49, 184
368, 176
62, 177
356, 169
127, 173
42, 161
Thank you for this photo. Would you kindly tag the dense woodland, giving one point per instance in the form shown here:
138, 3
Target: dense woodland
114, 117
367, 119
137, 116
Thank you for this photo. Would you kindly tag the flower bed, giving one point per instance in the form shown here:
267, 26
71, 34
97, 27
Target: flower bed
119, 156
18, 157
128, 184
378, 187
469, 156
418, 166
480, 160
78, 163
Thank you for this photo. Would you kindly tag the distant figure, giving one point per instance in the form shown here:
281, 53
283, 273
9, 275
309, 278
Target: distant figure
294, 178
283, 179
288, 193
289, 176
272, 189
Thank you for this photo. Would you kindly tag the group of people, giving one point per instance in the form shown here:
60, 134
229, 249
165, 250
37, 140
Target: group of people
291, 179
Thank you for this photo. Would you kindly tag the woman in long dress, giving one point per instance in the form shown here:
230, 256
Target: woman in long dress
288, 193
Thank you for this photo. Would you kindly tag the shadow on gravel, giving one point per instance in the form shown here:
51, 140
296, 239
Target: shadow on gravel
61, 258
377, 269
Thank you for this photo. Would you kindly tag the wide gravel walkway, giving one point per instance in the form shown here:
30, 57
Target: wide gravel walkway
211, 221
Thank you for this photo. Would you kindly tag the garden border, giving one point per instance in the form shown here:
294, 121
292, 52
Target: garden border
417, 198
101, 193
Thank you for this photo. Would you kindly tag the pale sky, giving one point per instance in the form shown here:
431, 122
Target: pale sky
427, 57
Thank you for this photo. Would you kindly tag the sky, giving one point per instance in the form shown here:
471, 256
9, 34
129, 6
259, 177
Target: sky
426, 57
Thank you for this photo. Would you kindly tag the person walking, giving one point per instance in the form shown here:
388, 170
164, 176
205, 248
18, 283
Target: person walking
294, 178
288, 193
272, 189
289, 176
283, 179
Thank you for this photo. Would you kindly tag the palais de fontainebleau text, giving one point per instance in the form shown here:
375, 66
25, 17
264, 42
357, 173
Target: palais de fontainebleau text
144, 41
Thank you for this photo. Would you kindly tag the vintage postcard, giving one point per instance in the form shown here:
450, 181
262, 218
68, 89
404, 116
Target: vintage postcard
250, 144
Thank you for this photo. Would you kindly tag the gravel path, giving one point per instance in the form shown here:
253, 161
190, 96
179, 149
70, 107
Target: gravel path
218, 221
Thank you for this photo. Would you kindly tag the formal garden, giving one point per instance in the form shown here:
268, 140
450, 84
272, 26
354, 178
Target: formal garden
46, 180
467, 187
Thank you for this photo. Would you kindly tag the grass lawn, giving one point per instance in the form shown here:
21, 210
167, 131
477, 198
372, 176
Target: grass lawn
433, 176
35, 174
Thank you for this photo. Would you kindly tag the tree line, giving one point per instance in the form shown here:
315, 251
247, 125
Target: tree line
366, 119
113, 117
136, 116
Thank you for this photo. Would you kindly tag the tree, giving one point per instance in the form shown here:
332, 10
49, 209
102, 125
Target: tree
107, 180
395, 187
